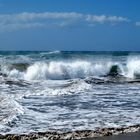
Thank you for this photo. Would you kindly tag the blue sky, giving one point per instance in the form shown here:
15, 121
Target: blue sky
98, 25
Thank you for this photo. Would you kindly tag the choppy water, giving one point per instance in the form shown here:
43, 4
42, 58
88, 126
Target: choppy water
67, 91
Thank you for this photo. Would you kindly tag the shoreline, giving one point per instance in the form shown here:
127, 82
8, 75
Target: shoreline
126, 133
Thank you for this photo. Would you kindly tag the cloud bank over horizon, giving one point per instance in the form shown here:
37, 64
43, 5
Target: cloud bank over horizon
10, 22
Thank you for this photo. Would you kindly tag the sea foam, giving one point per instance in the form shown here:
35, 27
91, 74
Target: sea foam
62, 70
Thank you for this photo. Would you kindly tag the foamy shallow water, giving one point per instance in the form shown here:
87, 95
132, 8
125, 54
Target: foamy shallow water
53, 95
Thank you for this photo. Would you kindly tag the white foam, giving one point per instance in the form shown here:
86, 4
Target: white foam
60, 70
63, 70
133, 67
59, 88
10, 108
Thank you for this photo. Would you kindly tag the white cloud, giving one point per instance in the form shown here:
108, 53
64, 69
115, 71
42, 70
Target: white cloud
32, 20
138, 23
103, 19
15, 26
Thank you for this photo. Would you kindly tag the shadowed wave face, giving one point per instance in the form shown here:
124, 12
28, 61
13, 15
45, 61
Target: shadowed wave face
67, 91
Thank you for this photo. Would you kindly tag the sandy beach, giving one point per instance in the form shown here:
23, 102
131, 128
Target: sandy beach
127, 136
127, 133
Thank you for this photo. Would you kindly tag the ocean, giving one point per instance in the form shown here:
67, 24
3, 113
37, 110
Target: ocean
68, 91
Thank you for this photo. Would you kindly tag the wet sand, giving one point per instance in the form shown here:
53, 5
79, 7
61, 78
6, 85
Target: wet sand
127, 136
127, 133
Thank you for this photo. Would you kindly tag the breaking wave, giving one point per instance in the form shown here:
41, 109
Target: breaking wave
62, 70
59, 70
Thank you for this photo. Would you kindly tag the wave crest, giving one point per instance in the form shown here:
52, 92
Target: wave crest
62, 70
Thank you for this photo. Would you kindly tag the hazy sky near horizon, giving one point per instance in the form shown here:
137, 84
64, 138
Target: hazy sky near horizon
98, 25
